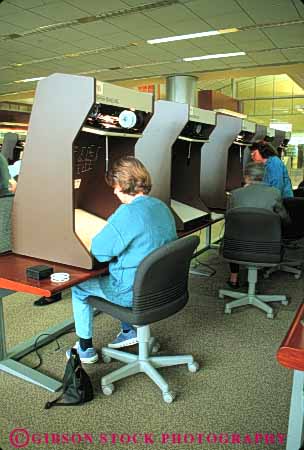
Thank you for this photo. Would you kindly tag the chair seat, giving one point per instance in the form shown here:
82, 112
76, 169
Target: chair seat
252, 264
133, 317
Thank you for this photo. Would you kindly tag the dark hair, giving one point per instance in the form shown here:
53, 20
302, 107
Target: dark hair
255, 171
265, 148
131, 176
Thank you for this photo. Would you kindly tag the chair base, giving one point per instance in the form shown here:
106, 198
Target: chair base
285, 268
250, 297
143, 362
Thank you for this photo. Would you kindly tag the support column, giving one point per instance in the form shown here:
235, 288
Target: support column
182, 89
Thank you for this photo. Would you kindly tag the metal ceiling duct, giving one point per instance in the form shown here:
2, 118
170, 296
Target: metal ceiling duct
182, 89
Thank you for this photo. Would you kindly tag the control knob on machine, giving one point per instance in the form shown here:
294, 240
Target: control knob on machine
127, 119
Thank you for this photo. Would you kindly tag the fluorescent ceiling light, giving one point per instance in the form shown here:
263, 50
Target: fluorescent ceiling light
182, 37
218, 55
27, 80
282, 126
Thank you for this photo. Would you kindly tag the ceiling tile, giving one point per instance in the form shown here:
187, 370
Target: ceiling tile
286, 36
41, 46
136, 23
229, 20
15, 46
153, 52
67, 34
240, 61
271, 57
127, 58
8, 9
168, 15
187, 27
75, 65
181, 48
206, 8
28, 4
59, 11
8, 28
89, 43
250, 40
296, 55
119, 38
215, 44
98, 29
269, 11
97, 6
211, 64
300, 6
100, 60
27, 19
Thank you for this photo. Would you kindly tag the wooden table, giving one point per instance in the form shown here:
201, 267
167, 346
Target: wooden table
291, 355
13, 279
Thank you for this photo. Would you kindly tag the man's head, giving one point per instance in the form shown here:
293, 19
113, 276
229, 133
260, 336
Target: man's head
254, 172
128, 177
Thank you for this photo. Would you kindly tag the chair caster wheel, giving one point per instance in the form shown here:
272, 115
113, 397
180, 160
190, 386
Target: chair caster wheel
227, 310
270, 316
266, 276
106, 359
285, 302
193, 367
168, 397
155, 347
297, 276
108, 389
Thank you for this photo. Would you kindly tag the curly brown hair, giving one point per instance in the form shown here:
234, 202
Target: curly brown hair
265, 148
131, 176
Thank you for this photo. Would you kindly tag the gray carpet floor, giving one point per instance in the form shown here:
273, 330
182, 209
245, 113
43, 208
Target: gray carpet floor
239, 389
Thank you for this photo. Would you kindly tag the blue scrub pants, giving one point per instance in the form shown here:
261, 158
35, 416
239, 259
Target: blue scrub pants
83, 312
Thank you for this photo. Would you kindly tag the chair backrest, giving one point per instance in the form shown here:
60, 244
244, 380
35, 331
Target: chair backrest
161, 282
6, 203
298, 192
252, 235
295, 208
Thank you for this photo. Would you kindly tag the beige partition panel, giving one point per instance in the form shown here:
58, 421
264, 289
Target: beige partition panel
43, 212
214, 162
154, 149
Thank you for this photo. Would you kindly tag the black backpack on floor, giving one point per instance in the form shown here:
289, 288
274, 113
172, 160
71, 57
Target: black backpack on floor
77, 387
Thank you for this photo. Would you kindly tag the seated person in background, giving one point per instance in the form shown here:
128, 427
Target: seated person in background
255, 194
276, 174
7, 184
301, 185
138, 227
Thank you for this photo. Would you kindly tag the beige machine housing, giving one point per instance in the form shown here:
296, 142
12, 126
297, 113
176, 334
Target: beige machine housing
64, 166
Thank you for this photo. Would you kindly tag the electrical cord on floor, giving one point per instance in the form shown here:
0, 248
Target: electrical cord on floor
56, 349
36, 349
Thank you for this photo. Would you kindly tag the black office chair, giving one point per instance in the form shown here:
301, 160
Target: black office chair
292, 235
299, 192
6, 203
160, 290
252, 238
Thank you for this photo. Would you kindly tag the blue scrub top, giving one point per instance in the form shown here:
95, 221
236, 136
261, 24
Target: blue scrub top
276, 175
133, 231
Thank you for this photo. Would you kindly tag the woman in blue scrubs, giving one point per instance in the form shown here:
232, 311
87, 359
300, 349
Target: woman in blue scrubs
139, 226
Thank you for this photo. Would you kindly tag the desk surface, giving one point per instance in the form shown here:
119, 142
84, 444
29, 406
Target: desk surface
291, 351
13, 275
13, 271
206, 224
